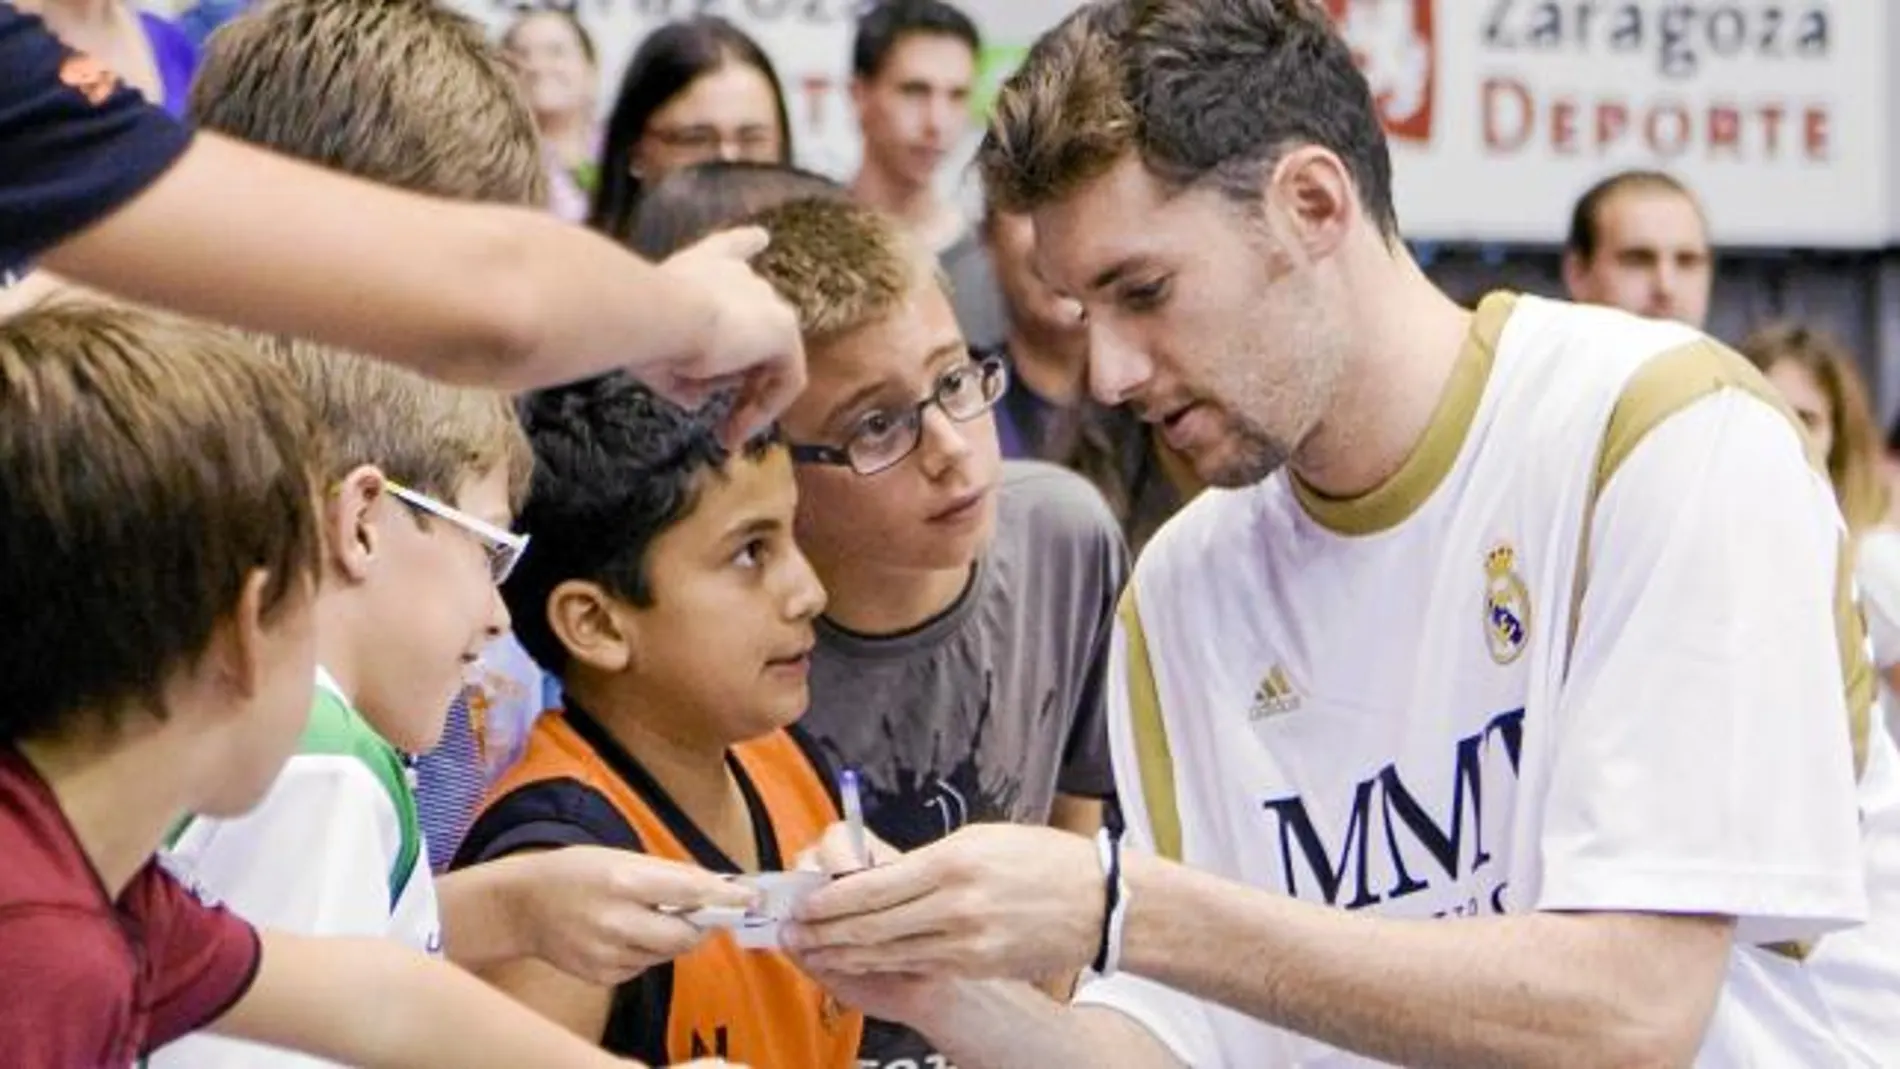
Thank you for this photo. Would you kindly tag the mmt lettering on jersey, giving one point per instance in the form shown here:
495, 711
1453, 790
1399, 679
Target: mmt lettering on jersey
1413, 852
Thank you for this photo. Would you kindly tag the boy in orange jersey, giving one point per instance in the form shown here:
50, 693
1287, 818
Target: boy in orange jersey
665, 590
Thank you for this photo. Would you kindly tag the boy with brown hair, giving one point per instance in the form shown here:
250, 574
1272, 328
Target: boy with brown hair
961, 663
158, 512
424, 480
406, 92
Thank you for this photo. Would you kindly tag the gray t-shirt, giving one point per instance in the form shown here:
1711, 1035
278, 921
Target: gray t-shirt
985, 712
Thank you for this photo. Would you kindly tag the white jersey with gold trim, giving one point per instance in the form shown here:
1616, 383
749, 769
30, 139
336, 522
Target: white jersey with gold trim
1593, 648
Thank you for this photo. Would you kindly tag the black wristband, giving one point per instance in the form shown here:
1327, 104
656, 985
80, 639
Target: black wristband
1111, 894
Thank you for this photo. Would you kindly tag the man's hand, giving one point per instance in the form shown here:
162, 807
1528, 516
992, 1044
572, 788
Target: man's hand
899, 997
594, 912
752, 344
990, 901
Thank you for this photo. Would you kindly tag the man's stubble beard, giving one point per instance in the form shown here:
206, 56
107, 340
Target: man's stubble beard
1256, 450
1255, 456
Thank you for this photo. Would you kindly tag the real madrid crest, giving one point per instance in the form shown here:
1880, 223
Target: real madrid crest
1507, 605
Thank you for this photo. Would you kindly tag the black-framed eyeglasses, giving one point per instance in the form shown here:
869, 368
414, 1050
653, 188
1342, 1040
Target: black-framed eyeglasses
882, 438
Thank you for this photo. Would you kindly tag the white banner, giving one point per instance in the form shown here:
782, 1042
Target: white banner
809, 41
1502, 111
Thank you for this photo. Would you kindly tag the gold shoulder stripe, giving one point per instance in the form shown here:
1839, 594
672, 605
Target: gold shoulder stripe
1857, 667
1668, 384
1665, 386
1152, 754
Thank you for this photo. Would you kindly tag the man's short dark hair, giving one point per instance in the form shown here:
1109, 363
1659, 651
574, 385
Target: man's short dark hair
616, 466
693, 202
1216, 90
148, 466
1586, 218
887, 22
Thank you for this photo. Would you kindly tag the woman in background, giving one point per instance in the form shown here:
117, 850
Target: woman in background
555, 60
697, 89
1821, 383
149, 53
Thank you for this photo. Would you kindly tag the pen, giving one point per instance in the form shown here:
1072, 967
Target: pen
854, 813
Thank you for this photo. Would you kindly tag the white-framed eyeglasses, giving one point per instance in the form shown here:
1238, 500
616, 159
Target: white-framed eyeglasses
504, 548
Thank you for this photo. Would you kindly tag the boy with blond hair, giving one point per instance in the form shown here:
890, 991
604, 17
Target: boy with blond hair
422, 481
961, 663
159, 514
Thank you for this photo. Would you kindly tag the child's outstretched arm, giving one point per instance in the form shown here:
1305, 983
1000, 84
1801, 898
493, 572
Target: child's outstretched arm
598, 914
478, 294
373, 1003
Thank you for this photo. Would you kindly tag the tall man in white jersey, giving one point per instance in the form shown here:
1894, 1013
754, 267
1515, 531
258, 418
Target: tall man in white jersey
1509, 707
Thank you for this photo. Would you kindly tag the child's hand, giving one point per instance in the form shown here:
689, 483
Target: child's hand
596, 913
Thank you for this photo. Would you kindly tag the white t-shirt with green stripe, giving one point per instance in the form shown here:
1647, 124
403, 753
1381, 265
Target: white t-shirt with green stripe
334, 849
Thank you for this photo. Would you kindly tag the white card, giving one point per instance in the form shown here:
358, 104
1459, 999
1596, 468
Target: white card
757, 928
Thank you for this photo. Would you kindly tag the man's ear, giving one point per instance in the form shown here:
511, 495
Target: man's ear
1576, 276
1315, 191
351, 532
594, 626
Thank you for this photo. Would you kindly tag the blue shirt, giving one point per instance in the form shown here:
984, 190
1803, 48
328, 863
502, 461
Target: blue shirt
487, 729
75, 143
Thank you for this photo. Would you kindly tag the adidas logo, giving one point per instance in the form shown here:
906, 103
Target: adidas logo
1274, 697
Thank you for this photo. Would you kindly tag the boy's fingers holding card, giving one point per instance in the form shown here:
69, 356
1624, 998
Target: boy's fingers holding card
683, 888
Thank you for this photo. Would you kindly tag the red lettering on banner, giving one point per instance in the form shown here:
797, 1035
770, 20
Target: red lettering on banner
814, 88
1725, 131
1563, 127
1771, 128
1613, 121
1515, 119
1814, 125
1669, 140
1501, 94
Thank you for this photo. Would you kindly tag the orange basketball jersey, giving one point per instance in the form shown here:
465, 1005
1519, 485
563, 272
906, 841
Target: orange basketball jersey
575, 784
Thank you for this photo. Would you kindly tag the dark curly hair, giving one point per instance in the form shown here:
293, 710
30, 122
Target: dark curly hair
616, 466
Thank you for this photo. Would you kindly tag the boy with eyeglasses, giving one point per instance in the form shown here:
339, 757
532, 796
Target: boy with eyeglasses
960, 664
422, 484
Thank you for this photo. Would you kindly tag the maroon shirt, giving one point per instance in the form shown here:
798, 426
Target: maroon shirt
87, 983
